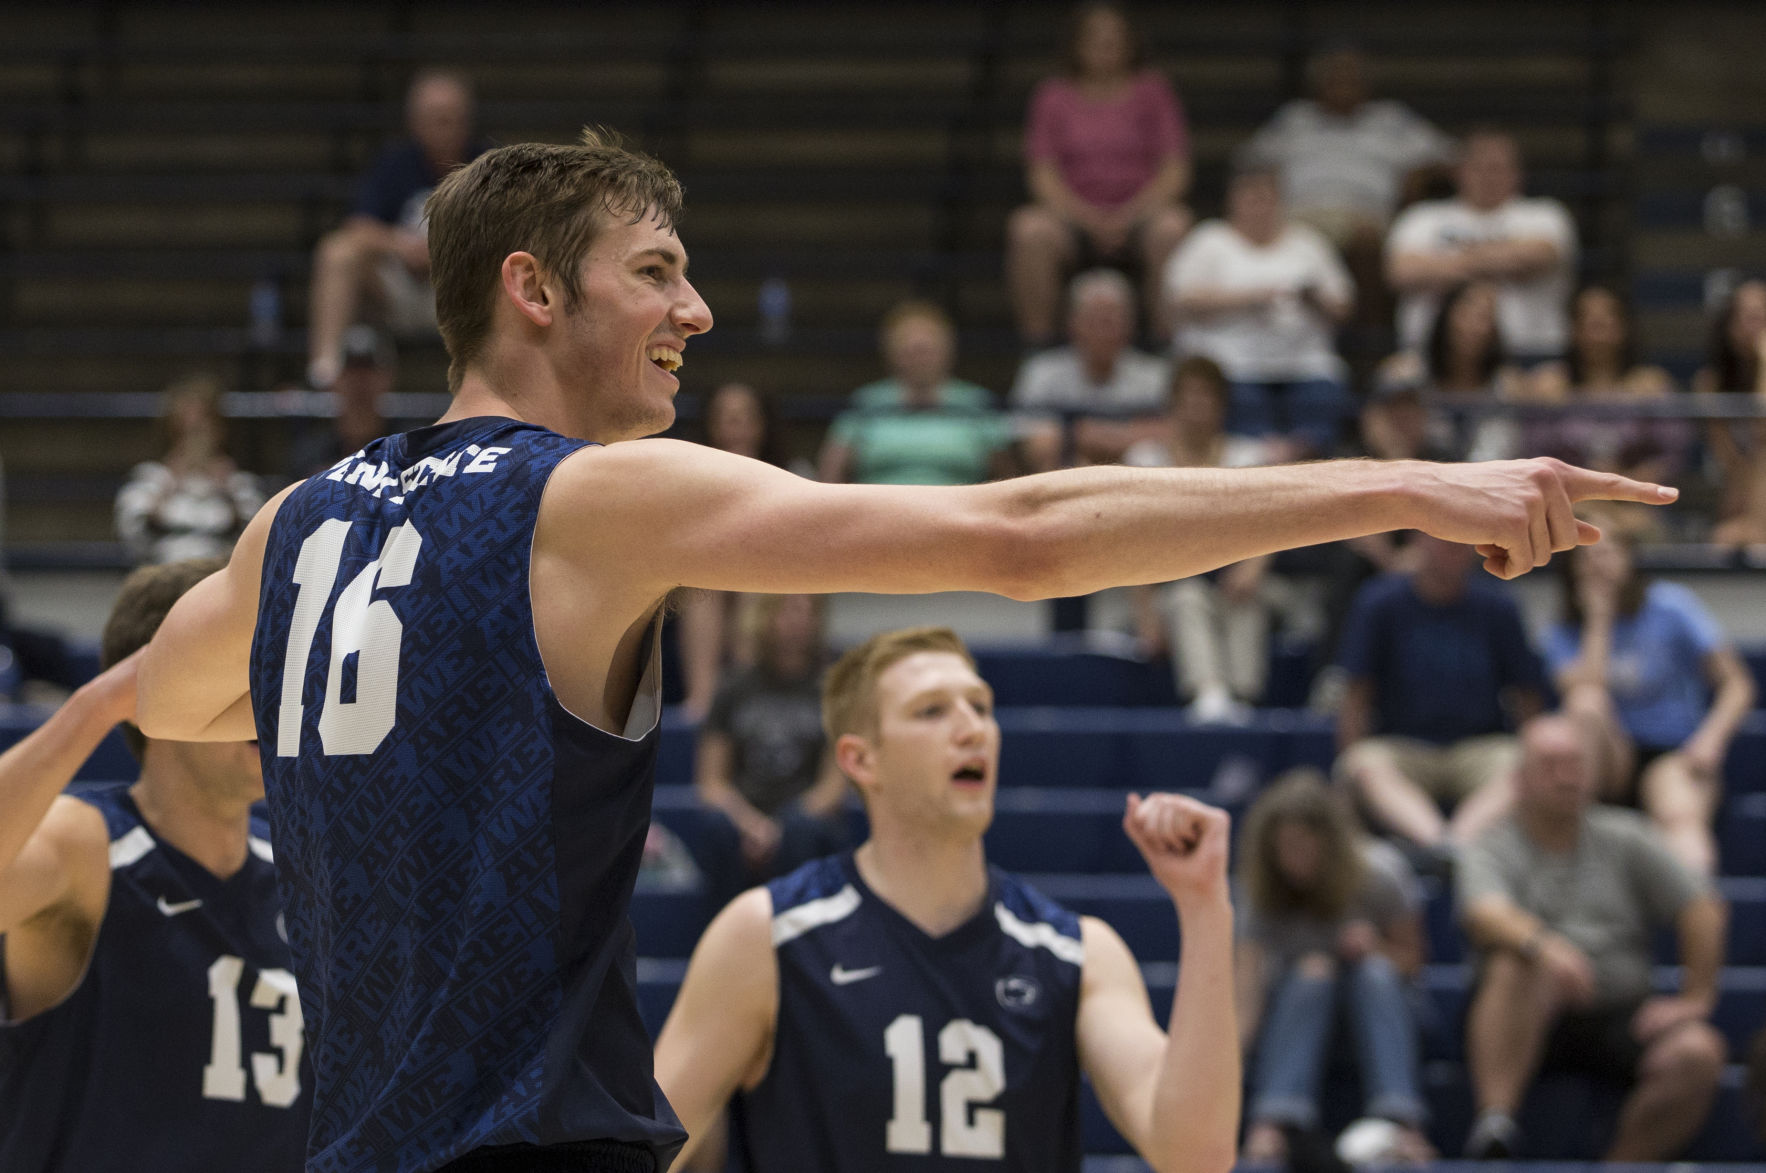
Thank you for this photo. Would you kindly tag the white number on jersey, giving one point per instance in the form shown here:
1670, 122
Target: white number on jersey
277, 1075
966, 1129
360, 625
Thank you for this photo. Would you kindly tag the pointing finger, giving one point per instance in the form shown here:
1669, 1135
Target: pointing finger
1583, 485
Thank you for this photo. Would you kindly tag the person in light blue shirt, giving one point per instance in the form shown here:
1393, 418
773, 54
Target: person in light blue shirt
1646, 664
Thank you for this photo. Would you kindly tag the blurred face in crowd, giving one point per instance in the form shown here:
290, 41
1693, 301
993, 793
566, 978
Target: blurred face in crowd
1471, 331
1608, 562
793, 634
1254, 206
1556, 779
933, 760
1299, 853
1747, 319
439, 113
1442, 567
1198, 406
1102, 47
194, 425
1489, 171
1599, 323
735, 422
919, 351
1100, 323
1339, 80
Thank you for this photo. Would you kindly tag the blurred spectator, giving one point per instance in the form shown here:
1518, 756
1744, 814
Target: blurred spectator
1465, 356
370, 371
1562, 900
1648, 666
1431, 657
1107, 159
1490, 232
1099, 373
737, 419
1216, 624
193, 502
1602, 368
378, 261
1330, 936
763, 767
1738, 342
1345, 159
920, 426
1261, 296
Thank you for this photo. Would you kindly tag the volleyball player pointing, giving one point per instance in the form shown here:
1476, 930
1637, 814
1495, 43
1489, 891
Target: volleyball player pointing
446, 647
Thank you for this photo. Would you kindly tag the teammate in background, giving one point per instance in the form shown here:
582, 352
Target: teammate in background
907, 1001
448, 648
148, 1019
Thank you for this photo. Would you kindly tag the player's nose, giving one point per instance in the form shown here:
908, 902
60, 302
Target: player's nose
691, 315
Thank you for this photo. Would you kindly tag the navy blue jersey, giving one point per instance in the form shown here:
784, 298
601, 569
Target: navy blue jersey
180, 1049
456, 850
895, 1051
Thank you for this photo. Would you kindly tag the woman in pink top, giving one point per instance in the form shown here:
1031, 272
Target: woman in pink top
1108, 163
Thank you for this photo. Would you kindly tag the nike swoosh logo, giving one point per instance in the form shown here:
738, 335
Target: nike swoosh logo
175, 909
845, 977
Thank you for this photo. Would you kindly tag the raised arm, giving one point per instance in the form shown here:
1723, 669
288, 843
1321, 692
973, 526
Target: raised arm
1174, 1097
668, 514
50, 849
719, 1036
195, 682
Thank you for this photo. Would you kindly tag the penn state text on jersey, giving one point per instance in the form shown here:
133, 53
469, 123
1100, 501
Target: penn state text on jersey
456, 849
181, 1046
898, 1051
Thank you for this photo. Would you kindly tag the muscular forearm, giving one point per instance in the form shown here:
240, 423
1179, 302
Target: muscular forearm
36, 769
1088, 529
1196, 1099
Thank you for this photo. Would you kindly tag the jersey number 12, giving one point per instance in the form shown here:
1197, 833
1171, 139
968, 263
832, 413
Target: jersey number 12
966, 1130
361, 626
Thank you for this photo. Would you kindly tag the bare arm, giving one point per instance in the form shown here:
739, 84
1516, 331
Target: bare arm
1175, 1098
1167, 187
1514, 259
1250, 972
830, 789
1051, 191
719, 1036
1733, 687
1427, 272
1404, 944
671, 514
1209, 302
195, 680
1355, 716
1700, 928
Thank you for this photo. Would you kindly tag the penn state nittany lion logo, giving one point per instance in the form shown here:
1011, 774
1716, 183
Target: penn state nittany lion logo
1017, 992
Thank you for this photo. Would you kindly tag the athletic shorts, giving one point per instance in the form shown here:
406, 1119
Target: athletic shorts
1597, 1043
590, 1156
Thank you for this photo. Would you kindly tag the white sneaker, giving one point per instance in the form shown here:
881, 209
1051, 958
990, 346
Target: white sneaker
1217, 707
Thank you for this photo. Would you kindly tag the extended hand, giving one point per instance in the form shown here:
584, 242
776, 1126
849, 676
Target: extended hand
1184, 843
1519, 512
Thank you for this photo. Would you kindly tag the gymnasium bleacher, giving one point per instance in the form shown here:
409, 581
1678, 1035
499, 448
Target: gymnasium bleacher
159, 164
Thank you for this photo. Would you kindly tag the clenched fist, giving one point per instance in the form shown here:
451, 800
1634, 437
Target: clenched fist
1184, 843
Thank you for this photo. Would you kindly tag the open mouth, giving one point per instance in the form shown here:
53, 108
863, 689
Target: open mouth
973, 774
665, 357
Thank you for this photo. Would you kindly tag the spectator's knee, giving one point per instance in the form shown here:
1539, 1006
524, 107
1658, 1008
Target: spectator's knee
1038, 228
1362, 758
1316, 967
1693, 1055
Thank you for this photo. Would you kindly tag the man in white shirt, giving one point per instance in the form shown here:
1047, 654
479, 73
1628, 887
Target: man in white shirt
1526, 246
1097, 374
1344, 157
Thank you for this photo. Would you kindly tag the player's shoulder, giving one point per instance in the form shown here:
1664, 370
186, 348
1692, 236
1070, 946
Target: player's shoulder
116, 814
1036, 921
818, 894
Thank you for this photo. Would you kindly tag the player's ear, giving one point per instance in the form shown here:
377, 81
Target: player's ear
855, 758
526, 286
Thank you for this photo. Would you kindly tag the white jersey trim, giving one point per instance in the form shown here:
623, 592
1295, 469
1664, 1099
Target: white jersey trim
261, 849
794, 922
125, 849
1039, 936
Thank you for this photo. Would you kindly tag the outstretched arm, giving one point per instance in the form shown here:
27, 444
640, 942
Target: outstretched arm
669, 513
719, 1036
1175, 1098
196, 678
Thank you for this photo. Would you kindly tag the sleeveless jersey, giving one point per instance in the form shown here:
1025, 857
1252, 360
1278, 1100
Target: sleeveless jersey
180, 1048
456, 850
897, 1052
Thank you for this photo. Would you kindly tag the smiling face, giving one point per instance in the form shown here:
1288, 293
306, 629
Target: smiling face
932, 761
616, 350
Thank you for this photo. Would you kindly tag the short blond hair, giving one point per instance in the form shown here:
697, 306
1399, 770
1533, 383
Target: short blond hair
849, 689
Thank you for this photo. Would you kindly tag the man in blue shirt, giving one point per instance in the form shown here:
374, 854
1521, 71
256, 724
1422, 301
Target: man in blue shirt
1431, 657
379, 256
